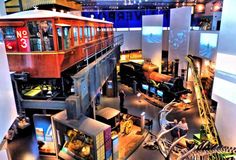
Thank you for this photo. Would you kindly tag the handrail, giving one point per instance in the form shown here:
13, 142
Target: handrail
99, 47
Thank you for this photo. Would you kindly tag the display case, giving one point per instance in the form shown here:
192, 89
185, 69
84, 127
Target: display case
83, 138
44, 133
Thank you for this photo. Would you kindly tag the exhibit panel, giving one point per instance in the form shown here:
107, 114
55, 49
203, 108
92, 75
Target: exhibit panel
204, 44
152, 38
179, 35
44, 133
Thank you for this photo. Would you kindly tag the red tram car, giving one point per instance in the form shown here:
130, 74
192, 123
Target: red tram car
46, 43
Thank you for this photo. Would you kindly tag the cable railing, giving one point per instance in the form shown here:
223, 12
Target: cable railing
102, 47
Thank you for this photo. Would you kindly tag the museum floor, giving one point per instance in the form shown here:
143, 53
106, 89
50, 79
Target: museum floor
25, 146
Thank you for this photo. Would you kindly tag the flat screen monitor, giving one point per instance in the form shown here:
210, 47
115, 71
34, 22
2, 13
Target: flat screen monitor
160, 93
145, 86
153, 90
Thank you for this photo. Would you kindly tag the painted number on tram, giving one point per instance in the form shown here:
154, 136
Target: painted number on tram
22, 39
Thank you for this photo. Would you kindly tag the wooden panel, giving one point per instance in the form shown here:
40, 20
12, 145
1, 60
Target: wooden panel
39, 66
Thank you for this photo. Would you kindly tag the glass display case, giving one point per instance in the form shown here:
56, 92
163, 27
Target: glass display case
83, 138
77, 145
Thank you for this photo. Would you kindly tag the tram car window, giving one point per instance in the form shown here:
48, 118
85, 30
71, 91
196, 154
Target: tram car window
93, 32
59, 38
67, 37
35, 36
9, 35
76, 40
81, 34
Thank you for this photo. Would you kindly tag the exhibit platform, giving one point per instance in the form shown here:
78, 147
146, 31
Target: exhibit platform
129, 143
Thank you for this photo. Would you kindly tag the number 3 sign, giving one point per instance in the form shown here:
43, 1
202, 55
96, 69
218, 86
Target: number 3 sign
22, 39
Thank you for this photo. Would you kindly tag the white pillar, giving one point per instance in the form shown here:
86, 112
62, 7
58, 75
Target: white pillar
142, 121
224, 88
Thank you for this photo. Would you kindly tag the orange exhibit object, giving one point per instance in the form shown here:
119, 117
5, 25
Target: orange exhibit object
149, 67
157, 76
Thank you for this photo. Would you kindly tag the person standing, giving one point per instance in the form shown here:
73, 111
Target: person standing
122, 98
183, 127
98, 97
174, 132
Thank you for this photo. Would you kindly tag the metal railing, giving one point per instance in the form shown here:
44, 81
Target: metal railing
102, 47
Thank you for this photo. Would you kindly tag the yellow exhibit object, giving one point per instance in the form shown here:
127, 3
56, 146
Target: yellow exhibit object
203, 107
126, 124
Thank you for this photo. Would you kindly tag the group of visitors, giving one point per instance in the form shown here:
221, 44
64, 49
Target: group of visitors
180, 130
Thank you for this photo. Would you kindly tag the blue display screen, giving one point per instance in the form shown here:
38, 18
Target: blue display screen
208, 44
160, 93
145, 86
153, 90
152, 34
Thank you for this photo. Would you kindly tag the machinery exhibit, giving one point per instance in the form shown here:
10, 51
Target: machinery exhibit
148, 80
205, 145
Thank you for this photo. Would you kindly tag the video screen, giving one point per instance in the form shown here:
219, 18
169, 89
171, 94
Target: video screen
153, 90
145, 86
152, 34
208, 44
160, 93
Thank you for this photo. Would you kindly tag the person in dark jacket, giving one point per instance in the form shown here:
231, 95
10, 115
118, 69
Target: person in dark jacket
175, 132
122, 98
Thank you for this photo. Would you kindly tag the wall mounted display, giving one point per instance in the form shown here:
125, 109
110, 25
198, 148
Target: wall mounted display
208, 44
152, 38
152, 34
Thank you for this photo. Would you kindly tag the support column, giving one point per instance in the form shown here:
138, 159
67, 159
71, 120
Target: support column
94, 109
2, 8
224, 88
111, 85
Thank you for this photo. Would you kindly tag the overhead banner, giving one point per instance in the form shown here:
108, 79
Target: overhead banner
180, 20
128, 18
152, 38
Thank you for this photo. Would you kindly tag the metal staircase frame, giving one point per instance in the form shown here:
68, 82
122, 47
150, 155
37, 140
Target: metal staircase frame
203, 106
